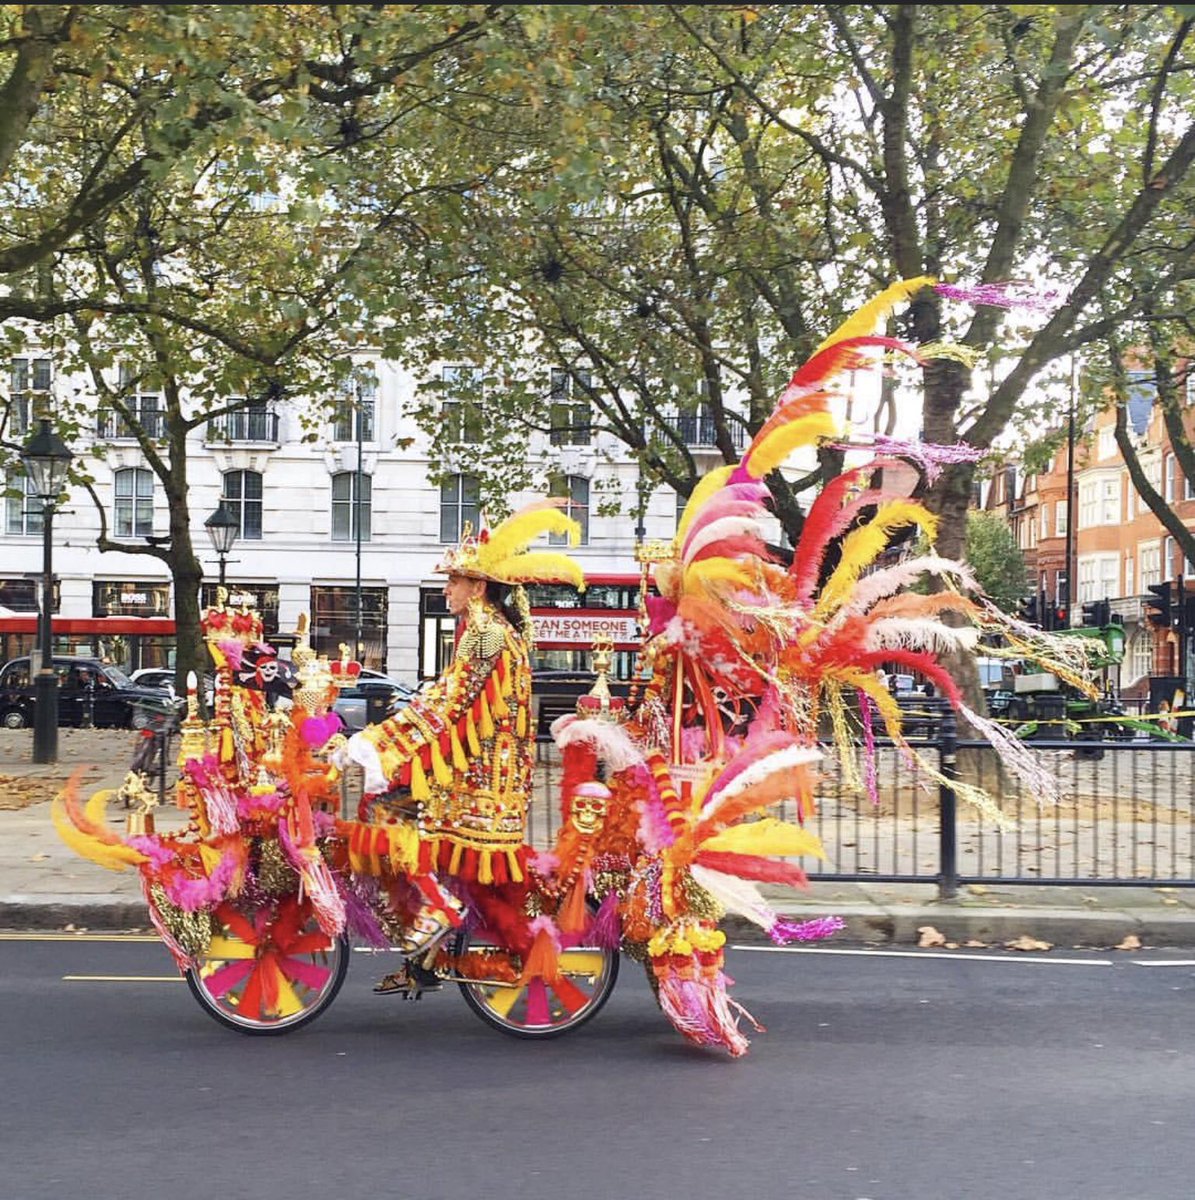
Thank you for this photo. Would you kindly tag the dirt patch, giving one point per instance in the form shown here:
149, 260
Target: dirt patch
23, 791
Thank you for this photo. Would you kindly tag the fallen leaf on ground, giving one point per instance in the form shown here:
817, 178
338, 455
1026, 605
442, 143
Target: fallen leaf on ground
38, 857
1131, 942
977, 889
1025, 942
974, 942
930, 936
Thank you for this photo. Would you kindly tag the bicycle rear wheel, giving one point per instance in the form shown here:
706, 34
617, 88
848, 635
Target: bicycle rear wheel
539, 1009
270, 970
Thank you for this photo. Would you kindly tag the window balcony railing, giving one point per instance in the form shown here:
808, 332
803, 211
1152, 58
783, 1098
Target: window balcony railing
244, 425
112, 427
699, 431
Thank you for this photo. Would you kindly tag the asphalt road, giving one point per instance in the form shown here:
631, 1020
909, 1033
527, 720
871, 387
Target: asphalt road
886, 1076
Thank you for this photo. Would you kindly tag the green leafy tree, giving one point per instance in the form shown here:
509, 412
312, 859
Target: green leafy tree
192, 185
994, 556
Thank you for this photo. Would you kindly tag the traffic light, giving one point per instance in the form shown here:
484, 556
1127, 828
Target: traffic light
1027, 610
1097, 613
1159, 611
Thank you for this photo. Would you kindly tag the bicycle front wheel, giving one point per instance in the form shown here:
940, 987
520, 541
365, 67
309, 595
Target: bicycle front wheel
269, 970
538, 1009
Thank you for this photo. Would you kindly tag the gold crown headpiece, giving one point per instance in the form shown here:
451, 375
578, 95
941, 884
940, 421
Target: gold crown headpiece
501, 554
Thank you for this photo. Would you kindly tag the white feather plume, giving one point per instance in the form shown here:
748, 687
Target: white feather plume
735, 895
919, 633
613, 744
890, 580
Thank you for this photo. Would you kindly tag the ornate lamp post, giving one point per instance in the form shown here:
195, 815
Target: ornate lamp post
47, 461
222, 527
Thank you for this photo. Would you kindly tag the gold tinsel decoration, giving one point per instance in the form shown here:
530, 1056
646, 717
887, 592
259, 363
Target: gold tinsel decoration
275, 875
699, 902
191, 930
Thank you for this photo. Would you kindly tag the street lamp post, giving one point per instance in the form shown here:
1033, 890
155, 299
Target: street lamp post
47, 461
222, 527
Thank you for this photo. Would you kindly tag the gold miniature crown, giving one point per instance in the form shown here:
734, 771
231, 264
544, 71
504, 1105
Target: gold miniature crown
223, 624
502, 555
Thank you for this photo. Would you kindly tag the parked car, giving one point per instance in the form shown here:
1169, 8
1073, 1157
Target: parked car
373, 698
87, 689
163, 677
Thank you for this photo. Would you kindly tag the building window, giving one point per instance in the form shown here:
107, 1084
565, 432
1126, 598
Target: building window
570, 408
1061, 588
144, 406
1170, 464
460, 505
1167, 557
336, 618
134, 512
27, 376
346, 512
23, 512
461, 406
1139, 660
353, 416
1060, 519
1107, 442
574, 489
255, 422
1110, 502
1045, 520
242, 498
1150, 560
1128, 575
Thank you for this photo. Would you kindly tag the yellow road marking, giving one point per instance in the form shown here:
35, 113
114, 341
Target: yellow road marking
123, 978
79, 937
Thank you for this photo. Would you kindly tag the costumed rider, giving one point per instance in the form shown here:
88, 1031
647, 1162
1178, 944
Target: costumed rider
460, 755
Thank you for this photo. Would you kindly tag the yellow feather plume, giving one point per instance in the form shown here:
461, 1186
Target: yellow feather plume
705, 488
767, 837
862, 546
772, 449
543, 566
519, 530
871, 316
84, 833
714, 573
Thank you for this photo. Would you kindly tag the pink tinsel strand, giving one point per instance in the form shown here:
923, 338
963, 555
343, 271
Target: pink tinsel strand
360, 920
999, 295
929, 457
784, 931
606, 930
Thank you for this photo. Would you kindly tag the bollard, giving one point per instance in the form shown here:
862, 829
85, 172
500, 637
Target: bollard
947, 806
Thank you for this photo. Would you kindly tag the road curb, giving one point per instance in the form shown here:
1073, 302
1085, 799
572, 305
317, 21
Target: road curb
42, 913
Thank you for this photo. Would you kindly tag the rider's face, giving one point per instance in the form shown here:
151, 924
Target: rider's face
459, 590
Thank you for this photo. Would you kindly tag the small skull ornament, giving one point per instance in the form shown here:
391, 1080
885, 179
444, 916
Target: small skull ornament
589, 807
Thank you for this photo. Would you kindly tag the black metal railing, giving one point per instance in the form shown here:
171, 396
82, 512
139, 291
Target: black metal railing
698, 431
1126, 814
244, 425
110, 426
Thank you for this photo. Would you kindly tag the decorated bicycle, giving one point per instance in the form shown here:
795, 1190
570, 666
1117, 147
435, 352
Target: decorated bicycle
669, 800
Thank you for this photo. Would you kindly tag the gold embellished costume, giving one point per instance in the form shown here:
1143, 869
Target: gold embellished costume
465, 749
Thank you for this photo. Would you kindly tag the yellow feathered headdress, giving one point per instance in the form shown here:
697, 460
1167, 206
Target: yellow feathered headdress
502, 554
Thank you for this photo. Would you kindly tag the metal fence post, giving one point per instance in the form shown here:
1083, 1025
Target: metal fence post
947, 806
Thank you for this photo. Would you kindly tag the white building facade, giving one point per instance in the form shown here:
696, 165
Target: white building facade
349, 517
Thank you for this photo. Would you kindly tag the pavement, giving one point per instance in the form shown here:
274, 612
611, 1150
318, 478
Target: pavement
45, 886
